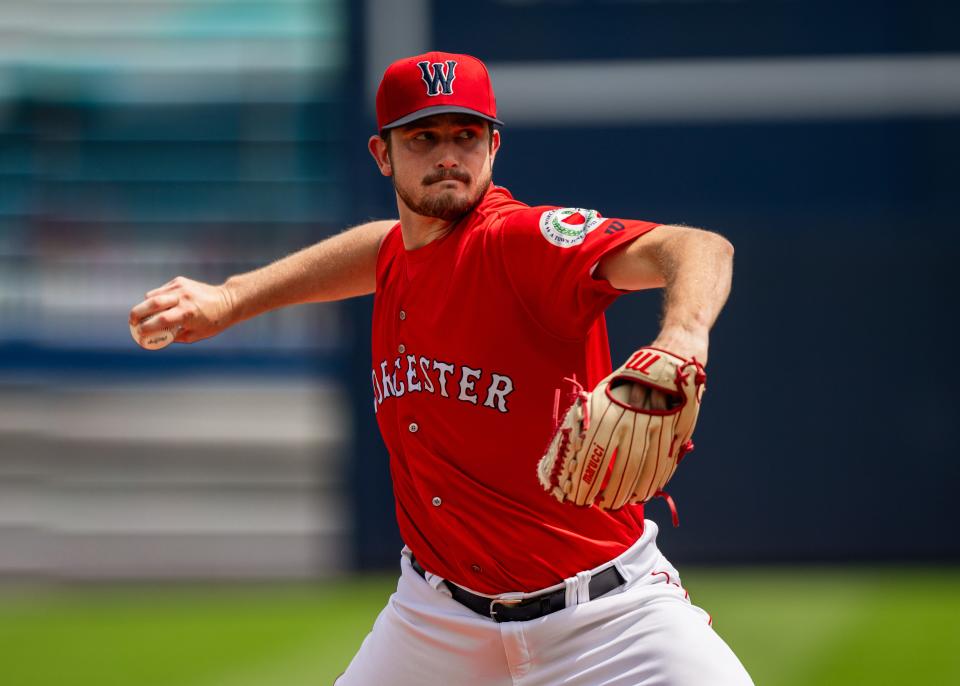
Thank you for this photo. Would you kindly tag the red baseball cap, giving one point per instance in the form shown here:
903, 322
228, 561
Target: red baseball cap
434, 83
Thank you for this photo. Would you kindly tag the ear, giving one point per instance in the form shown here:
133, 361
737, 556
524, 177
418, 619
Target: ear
494, 146
378, 148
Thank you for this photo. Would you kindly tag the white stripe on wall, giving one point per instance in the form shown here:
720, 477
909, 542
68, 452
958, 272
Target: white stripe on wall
740, 89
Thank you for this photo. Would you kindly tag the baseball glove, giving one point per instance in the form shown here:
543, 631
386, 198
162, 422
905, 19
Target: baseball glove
610, 453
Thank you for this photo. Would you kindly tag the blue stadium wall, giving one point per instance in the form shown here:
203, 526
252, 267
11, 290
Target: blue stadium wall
830, 425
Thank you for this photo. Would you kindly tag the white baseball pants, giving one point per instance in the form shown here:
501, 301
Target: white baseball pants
645, 633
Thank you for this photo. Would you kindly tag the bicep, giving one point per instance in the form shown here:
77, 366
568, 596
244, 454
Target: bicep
379, 229
635, 266
368, 237
638, 265
350, 257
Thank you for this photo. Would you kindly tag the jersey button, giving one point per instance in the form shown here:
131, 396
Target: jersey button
477, 568
436, 501
403, 315
413, 427
401, 348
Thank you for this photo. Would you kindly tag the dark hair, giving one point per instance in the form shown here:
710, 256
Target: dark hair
385, 134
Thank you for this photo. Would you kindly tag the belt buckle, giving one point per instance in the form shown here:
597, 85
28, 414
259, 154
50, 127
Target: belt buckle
506, 602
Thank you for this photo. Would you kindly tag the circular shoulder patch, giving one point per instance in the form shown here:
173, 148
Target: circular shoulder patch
568, 226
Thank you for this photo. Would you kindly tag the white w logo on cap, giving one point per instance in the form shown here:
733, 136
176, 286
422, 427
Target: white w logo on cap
441, 81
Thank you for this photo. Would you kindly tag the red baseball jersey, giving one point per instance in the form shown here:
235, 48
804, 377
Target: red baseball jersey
472, 335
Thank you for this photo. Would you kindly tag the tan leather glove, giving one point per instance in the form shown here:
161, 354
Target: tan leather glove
610, 453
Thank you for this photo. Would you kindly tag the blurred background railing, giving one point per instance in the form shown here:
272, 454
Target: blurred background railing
139, 141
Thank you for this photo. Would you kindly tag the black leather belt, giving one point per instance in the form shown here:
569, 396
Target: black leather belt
522, 610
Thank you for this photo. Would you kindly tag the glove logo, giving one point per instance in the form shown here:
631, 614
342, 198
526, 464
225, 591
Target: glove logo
440, 82
590, 471
641, 361
568, 226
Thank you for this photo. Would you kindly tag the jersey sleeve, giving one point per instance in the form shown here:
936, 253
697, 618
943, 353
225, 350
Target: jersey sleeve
550, 254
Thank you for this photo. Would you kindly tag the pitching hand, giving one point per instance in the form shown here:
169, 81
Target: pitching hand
646, 398
681, 342
198, 310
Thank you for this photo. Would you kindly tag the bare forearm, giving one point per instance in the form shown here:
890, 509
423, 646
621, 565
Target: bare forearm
697, 267
342, 266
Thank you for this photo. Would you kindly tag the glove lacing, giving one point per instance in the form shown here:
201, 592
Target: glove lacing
577, 393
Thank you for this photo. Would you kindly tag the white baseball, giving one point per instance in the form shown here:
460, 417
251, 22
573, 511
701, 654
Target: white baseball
153, 341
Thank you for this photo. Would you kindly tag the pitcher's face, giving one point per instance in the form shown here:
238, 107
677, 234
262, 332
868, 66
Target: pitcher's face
442, 165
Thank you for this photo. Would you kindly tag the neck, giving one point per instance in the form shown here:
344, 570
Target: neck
419, 230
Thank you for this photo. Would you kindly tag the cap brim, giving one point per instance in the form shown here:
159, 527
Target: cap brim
438, 109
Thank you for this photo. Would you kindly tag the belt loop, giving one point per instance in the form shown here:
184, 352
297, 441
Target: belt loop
570, 589
583, 587
438, 583
622, 569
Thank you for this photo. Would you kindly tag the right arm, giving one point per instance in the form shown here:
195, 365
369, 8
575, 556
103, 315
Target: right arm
342, 266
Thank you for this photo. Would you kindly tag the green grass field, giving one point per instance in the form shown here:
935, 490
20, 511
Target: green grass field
819, 627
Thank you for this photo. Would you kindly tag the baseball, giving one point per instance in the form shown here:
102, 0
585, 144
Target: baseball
153, 341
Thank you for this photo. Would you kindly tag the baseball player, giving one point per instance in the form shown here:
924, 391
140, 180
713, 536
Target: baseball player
520, 462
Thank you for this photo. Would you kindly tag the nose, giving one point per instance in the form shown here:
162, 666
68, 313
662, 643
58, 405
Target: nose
448, 157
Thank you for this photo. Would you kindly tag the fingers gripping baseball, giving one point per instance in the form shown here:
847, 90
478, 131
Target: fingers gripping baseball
622, 442
645, 397
193, 309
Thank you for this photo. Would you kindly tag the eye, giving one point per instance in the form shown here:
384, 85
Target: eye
423, 136
467, 134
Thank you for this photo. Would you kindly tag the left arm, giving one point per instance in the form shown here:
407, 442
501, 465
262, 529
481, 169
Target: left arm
695, 268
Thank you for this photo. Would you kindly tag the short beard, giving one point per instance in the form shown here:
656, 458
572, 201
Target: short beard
445, 206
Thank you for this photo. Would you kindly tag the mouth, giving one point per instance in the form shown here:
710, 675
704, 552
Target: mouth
446, 178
